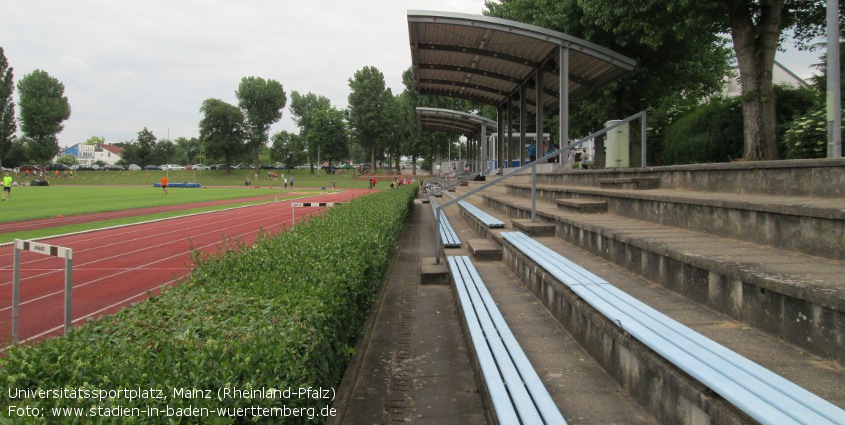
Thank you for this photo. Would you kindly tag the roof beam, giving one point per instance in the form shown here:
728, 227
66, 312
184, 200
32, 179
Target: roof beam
480, 52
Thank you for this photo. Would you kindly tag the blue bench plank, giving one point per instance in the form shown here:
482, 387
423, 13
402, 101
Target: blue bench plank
487, 219
762, 394
447, 234
529, 395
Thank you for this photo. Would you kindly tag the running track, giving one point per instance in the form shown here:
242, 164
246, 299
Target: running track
117, 267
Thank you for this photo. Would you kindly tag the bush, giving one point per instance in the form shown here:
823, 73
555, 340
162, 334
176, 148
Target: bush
713, 132
710, 133
806, 137
282, 313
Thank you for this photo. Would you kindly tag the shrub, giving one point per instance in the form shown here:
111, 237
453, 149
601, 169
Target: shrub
806, 137
710, 133
282, 313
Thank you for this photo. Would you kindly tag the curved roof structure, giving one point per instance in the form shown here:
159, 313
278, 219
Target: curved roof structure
487, 59
464, 123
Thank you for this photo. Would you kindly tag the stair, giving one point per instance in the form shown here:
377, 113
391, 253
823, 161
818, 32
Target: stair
780, 307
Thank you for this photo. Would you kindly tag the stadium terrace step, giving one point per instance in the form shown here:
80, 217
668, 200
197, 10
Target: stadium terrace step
796, 297
583, 206
534, 228
635, 183
814, 226
628, 361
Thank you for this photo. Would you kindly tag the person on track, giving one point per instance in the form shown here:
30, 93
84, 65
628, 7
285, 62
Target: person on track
164, 184
7, 187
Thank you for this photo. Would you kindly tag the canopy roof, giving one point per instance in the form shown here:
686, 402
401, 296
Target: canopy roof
487, 59
464, 123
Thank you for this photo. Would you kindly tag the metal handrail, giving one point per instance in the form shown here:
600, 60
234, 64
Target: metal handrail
533, 166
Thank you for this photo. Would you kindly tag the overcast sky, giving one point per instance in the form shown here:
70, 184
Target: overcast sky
151, 63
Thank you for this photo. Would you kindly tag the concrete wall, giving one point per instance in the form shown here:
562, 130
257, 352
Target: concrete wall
807, 177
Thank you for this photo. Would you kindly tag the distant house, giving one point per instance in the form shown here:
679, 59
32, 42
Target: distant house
780, 75
86, 155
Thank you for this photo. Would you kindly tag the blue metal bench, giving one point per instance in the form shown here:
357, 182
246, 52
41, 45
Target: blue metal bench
515, 391
760, 393
487, 219
447, 233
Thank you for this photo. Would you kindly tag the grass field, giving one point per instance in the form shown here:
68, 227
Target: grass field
41, 202
303, 178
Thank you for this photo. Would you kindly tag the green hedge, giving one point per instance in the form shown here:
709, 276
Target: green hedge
282, 313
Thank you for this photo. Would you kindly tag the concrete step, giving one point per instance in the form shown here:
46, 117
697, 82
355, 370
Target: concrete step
633, 183
810, 225
792, 296
581, 389
581, 205
630, 364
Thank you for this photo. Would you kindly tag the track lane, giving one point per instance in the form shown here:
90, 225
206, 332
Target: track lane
122, 264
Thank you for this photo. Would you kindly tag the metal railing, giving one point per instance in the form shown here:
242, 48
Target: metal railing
533, 165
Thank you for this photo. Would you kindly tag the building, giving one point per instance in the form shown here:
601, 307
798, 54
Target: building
780, 75
87, 155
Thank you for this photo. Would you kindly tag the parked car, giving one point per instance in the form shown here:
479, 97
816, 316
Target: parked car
112, 167
30, 168
223, 167
265, 167
199, 167
280, 167
134, 167
243, 166
60, 167
152, 167
172, 167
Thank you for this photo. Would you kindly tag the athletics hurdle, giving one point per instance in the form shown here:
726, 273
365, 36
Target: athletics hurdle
40, 248
309, 204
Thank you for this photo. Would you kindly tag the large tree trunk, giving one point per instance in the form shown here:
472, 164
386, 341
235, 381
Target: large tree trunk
755, 45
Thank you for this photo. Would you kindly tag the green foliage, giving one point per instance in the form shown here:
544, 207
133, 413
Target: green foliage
283, 313
678, 51
44, 108
222, 129
262, 102
288, 148
329, 134
95, 140
302, 108
710, 133
8, 126
806, 137
66, 160
368, 110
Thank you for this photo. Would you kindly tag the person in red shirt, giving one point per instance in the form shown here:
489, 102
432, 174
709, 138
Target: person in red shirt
164, 184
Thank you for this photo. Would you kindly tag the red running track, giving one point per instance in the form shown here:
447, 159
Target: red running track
117, 267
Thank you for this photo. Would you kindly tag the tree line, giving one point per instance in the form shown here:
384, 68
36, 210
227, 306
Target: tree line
682, 58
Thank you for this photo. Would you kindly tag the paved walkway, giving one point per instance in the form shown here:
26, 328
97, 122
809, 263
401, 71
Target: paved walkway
413, 367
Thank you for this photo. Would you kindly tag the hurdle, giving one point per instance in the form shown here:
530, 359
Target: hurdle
40, 248
309, 204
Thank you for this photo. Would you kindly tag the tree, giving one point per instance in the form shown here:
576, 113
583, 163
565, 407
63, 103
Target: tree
262, 102
302, 108
328, 132
367, 111
44, 108
678, 51
164, 152
8, 126
222, 129
95, 140
145, 147
756, 28
66, 160
288, 148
